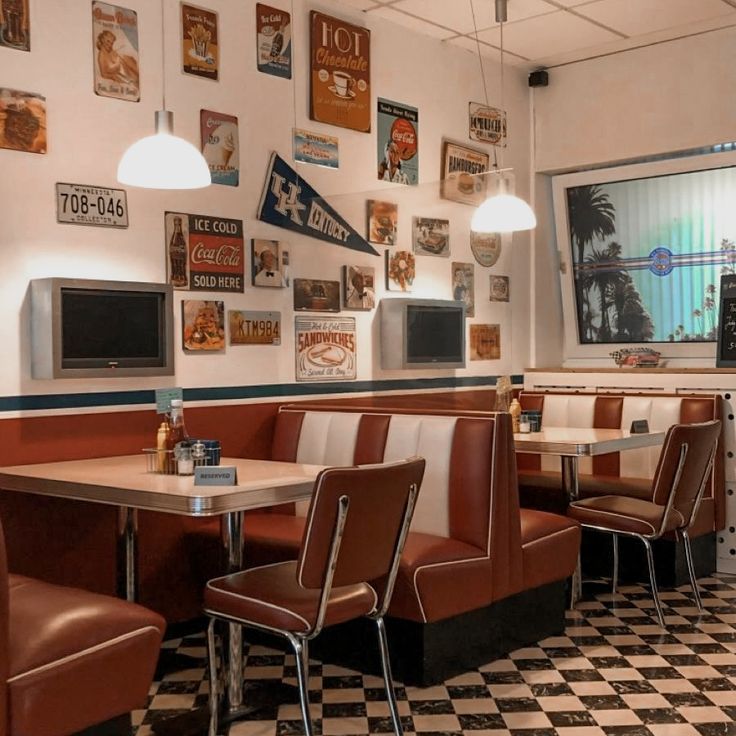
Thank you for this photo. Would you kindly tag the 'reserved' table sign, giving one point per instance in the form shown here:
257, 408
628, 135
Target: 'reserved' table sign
216, 475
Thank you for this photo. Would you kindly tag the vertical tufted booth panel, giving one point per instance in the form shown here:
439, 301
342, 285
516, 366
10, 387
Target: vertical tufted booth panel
432, 439
565, 410
617, 411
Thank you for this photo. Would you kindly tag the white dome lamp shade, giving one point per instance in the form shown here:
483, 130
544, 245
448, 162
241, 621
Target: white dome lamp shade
163, 160
501, 212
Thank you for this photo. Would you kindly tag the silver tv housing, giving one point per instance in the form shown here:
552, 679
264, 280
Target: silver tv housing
47, 320
395, 333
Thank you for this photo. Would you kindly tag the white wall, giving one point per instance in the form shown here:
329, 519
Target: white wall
660, 99
87, 134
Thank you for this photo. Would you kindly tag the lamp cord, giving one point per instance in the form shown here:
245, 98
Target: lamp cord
480, 60
163, 58
483, 73
293, 88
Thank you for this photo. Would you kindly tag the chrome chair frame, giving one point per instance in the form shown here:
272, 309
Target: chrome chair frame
647, 539
299, 641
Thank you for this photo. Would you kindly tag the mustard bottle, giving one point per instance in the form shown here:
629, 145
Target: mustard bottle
161, 455
515, 411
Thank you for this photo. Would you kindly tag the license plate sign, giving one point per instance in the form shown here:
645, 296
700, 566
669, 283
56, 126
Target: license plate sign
82, 204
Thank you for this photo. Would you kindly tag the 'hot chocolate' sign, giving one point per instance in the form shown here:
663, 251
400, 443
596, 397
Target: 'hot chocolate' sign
341, 73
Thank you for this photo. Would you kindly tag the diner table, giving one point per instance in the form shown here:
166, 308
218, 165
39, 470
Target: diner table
571, 443
125, 482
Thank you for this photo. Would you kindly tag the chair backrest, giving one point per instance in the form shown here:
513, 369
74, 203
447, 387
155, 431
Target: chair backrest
377, 497
684, 466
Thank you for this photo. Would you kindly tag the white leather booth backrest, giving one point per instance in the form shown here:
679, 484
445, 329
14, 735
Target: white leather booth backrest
326, 438
329, 438
563, 410
661, 412
431, 438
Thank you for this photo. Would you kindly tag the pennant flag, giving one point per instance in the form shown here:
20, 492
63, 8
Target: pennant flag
288, 201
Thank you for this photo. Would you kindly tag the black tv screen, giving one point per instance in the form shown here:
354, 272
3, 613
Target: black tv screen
434, 334
100, 328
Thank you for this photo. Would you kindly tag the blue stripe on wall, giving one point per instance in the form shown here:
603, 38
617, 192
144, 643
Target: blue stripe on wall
271, 391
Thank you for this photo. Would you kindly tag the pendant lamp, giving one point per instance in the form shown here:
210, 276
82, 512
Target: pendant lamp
163, 160
502, 212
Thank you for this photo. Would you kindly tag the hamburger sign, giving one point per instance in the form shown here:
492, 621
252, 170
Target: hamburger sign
461, 175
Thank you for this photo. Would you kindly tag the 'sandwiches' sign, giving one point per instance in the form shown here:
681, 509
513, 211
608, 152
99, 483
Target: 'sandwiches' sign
288, 201
340, 82
325, 349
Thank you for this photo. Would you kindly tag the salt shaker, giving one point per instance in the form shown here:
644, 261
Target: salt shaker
185, 463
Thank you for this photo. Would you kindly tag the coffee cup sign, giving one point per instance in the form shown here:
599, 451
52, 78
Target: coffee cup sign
344, 84
340, 73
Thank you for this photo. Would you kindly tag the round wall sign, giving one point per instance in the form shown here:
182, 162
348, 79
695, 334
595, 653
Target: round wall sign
486, 247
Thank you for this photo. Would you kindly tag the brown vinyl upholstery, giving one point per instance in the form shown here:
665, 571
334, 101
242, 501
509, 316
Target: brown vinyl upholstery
685, 463
541, 487
488, 551
70, 659
354, 534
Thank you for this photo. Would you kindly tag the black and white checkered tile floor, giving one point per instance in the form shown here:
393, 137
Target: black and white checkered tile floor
614, 672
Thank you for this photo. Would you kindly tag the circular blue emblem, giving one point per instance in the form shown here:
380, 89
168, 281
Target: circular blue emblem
661, 261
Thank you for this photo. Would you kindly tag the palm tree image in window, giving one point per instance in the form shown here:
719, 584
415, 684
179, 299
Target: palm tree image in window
618, 314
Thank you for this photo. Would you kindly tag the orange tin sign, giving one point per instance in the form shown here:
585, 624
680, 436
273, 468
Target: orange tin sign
340, 92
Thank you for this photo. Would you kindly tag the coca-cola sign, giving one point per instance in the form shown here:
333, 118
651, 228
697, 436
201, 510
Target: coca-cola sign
204, 253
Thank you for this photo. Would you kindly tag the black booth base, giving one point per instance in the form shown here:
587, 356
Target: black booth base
670, 564
427, 654
118, 726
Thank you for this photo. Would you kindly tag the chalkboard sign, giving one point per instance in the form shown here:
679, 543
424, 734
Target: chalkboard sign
726, 355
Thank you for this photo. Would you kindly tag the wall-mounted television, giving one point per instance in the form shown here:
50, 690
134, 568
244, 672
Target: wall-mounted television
422, 333
84, 328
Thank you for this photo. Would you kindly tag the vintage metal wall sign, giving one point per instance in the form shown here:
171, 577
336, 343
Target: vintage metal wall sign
288, 201
340, 80
487, 124
83, 204
199, 42
325, 349
204, 253
254, 328
273, 34
486, 247
461, 175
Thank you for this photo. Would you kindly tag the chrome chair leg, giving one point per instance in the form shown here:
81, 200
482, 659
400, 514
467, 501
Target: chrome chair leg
691, 568
614, 581
653, 582
301, 653
214, 698
387, 677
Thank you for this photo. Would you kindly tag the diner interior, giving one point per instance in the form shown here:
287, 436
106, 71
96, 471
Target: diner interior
444, 442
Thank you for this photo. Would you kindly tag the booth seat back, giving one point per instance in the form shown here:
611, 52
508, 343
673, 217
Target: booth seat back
470, 463
617, 411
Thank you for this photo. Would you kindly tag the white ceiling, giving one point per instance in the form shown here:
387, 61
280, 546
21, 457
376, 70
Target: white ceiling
544, 33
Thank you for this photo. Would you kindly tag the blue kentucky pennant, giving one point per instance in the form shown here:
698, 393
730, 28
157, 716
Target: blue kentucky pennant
288, 201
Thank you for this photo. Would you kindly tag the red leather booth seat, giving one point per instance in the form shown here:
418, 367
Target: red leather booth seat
470, 544
628, 473
70, 659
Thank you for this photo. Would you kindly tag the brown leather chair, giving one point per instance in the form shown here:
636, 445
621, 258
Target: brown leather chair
355, 530
677, 489
71, 659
